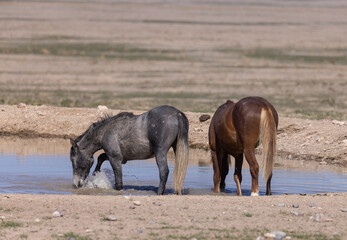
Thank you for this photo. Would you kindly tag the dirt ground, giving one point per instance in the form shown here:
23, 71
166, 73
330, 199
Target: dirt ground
59, 56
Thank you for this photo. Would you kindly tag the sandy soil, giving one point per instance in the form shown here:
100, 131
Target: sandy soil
172, 217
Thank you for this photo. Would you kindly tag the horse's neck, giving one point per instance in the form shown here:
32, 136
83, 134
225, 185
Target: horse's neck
88, 144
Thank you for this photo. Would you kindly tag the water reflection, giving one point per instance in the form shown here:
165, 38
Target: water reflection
51, 173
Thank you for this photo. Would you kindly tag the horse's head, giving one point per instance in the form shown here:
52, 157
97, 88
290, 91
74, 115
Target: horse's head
81, 164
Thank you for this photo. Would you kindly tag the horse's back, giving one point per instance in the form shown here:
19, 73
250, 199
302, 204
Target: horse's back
233, 122
222, 129
163, 126
248, 110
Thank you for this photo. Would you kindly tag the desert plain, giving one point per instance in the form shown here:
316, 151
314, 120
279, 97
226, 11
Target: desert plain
60, 60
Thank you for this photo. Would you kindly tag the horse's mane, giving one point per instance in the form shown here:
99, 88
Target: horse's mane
89, 133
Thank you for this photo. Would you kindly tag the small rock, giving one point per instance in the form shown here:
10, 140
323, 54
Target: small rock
37, 220
341, 123
157, 203
132, 207
323, 163
312, 205
21, 105
139, 231
88, 230
57, 214
295, 205
204, 117
41, 113
269, 235
102, 108
137, 203
320, 217
2, 217
127, 197
281, 205
111, 217
297, 213
302, 194
279, 235
344, 209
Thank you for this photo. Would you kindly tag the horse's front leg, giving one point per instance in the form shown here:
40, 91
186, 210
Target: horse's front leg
116, 163
160, 157
254, 169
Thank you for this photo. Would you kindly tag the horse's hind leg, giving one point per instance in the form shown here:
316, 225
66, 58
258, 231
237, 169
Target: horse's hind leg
268, 185
216, 173
160, 157
238, 173
254, 169
102, 158
224, 170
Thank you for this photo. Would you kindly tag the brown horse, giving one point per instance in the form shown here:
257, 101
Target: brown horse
237, 129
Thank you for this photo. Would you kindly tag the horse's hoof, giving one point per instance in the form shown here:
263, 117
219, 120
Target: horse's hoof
254, 194
119, 188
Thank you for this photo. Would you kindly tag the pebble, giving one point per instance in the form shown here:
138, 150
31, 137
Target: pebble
57, 214
312, 205
88, 230
295, 205
344, 209
21, 105
139, 231
37, 220
297, 213
132, 207
2, 217
269, 235
157, 203
137, 203
204, 117
320, 217
112, 217
102, 108
281, 205
341, 123
127, 197
277, 235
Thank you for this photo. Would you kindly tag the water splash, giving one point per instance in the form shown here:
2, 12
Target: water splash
102, 180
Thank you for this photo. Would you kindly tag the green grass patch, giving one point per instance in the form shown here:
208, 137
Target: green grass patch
116, 51
318, 236
287, 55
10, 224
72, 235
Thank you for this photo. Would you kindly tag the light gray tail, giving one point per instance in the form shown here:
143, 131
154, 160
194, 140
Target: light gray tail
182, 153
267, 137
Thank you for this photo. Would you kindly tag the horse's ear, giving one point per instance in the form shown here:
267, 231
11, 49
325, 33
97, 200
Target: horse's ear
73, 143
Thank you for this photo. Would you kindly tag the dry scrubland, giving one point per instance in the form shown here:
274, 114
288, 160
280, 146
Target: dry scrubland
190, 54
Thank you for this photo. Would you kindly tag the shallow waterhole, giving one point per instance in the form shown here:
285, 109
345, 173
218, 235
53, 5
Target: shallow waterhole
42, 166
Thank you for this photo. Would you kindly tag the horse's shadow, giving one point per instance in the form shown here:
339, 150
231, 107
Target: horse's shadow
151, 189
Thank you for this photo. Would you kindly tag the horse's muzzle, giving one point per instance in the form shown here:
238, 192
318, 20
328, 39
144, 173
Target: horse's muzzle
78, 182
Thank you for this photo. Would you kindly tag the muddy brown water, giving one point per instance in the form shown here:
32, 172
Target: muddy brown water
42, 166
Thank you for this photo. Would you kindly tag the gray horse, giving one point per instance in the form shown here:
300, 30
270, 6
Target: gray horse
128, 137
